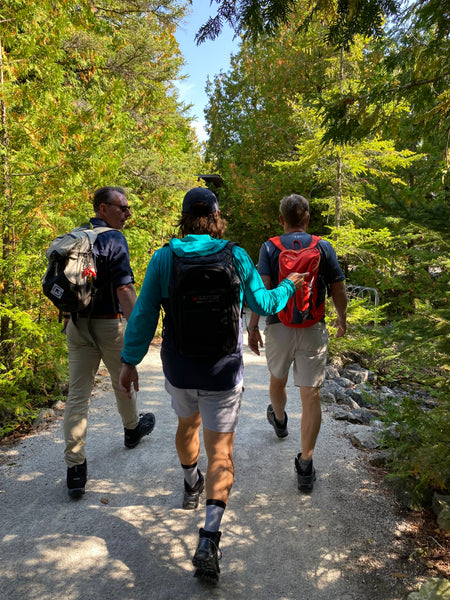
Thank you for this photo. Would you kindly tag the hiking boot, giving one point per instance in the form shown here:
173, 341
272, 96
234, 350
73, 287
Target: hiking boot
305, 478
192, 495
207, 556
280, 428
144, 427
76, 480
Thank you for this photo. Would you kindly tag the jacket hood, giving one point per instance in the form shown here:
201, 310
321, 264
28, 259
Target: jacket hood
196, 245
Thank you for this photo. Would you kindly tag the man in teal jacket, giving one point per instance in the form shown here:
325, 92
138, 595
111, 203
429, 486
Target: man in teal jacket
202, 392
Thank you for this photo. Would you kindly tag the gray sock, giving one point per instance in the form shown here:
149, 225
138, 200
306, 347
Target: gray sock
190, 473
214, 514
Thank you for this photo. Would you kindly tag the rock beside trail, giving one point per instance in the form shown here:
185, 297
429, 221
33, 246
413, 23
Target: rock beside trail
351, 395
435, 588
441, 507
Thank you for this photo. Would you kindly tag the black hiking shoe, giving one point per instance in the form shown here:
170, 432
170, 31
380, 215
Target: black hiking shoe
305, 478
76, 480
207, 556
144, 427
192, 495
280, 429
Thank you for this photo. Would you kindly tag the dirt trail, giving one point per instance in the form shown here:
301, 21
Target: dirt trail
128, 539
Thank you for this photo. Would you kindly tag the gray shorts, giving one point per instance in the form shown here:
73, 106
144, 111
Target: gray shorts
219, 410
305, 347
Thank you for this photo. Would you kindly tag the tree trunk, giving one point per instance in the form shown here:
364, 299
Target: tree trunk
339, 164
5, 193
338, 195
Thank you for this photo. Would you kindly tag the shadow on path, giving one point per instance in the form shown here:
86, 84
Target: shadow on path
128, 539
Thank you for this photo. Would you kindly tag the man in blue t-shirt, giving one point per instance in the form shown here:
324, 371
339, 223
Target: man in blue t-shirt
97, 334
306, 347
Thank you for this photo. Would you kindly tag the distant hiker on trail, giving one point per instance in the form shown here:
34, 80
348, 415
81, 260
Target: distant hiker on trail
298, 335
201, 281
97, 333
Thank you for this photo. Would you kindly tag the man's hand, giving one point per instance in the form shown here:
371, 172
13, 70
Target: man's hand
339, 295
255, 340
128, 375
297, 279
65, 323
341, 325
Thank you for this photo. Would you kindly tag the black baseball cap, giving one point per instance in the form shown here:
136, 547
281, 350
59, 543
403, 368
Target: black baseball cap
200, 194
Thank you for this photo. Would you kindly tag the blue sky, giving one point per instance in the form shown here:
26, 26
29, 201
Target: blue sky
202, 61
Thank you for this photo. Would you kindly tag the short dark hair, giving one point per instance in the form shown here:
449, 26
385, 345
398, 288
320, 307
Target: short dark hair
294, 209
198, 224
106, 194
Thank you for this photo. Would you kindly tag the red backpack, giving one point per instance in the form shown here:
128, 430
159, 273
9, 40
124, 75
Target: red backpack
301, 309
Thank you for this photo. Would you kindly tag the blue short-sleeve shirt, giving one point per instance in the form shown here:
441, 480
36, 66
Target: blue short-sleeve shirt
112, 259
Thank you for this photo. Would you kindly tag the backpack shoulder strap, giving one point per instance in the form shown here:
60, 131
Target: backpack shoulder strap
276, 241
95, 231
229, 246
315, 240
99, 230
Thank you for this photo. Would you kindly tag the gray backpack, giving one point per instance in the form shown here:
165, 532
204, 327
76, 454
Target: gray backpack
69, 279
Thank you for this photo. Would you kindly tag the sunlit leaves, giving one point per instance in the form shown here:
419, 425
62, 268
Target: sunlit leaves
89, 100
345, 19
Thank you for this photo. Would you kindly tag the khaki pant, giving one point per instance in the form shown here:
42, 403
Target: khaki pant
84, 360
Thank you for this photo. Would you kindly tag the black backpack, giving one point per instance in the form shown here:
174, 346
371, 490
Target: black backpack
205, 304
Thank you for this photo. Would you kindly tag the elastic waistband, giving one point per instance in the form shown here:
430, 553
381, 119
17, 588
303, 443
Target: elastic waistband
115, 316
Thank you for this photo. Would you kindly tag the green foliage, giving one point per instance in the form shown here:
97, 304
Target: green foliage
363, 339
417, 446
30, 374
87, 99
408, 350
363, 135
269, 96
413, 353
346, 19
409, 65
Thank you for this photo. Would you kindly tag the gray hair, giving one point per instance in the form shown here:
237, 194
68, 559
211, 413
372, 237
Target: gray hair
105, 195
294, 209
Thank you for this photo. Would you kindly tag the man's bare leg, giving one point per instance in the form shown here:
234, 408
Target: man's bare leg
278, 396
311, 420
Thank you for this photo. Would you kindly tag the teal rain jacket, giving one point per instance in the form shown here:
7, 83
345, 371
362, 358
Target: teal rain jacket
184, 372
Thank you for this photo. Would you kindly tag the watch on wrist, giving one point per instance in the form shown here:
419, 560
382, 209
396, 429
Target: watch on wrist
254, 328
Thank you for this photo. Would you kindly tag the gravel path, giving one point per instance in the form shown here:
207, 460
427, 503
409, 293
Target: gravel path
128, 539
